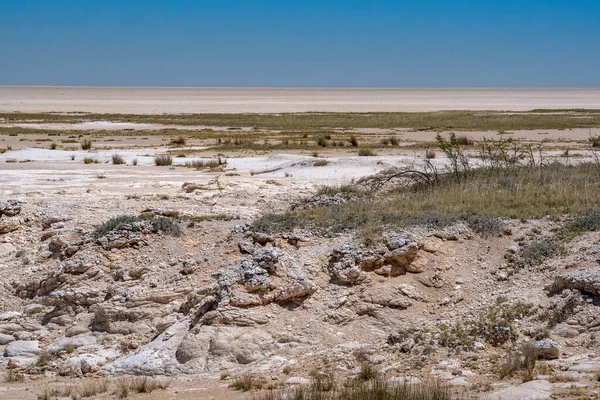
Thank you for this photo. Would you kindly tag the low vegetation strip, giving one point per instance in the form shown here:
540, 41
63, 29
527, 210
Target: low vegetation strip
376, 389
553, 190
442, 120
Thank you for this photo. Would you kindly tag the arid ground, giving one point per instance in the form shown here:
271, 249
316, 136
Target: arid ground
242, 243
278, 100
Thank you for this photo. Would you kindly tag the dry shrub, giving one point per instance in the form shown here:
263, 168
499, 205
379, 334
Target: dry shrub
320, 163
92, 388
464, 140
200, 164
117, 159
322, 141
163, 160
515, 361
90, 160
142, 384
13, 375
367, 372
429, 154
180, 141
366, 153
86, 144
246, 383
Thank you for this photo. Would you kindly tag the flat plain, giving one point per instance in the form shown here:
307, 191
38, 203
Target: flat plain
276, 100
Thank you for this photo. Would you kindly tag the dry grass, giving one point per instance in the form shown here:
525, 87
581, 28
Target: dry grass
246, 383
92, 388
126, 386
180, 141
376, 389
523, 360
13, 376
202, 164
366, 153
118, 159
442, 120
90, 160
86, 144
163, 160
555, 190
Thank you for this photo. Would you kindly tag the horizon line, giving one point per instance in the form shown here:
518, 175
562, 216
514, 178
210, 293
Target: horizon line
315, 87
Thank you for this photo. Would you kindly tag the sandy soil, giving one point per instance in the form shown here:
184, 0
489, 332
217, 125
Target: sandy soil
252, 100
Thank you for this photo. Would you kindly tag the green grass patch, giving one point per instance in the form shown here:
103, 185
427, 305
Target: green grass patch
553, 190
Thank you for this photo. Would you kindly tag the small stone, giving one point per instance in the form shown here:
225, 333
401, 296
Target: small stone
547, 349
297, 380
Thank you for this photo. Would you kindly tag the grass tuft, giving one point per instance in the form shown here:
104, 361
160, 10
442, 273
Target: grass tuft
86, 144
118, 159
366, 153
163, 160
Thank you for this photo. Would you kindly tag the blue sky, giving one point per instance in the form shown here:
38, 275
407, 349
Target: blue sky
327, 43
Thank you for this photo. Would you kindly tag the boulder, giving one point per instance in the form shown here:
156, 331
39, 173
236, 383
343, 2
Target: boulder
546, 349
10, 208
350, 261
587, 280
532, 390
297, 380
385, 296
6, 339
8, 225
22, 348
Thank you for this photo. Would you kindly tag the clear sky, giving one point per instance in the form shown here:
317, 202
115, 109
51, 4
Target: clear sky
339, 43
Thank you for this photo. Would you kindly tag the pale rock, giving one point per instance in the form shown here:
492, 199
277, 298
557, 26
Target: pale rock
5, 339
75, 342
533, 390
410, 291
419, 264
404, 380
546, 349
297, 380
22, 348
10, 315
32, 309
9, 225
565, 331
76, 330
386, 296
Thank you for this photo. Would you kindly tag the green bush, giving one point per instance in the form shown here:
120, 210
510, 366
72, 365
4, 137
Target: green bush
163, 225
538, 251
589, 221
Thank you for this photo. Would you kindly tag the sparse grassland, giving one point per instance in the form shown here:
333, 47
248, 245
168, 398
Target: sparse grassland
555, 190
371, 389
206, 164
442, 120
